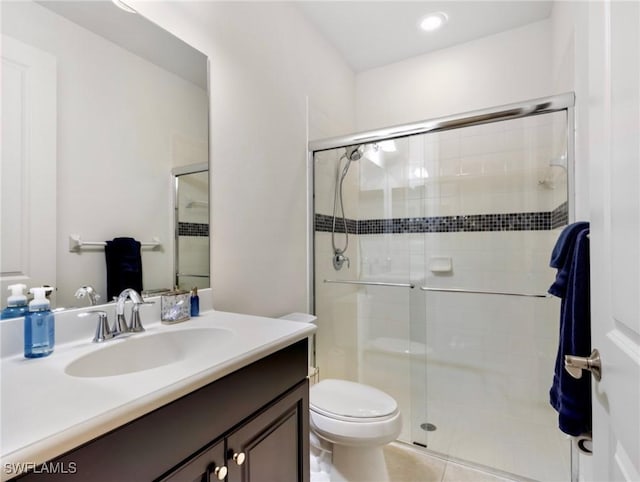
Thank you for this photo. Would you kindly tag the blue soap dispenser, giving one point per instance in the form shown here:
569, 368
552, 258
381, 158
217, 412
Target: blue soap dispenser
39, 326
16, 303
195, 302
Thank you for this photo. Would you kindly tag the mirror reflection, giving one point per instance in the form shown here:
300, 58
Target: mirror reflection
100, 109
192, 226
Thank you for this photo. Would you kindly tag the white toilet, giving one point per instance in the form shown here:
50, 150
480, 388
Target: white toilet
350, 420
354, 421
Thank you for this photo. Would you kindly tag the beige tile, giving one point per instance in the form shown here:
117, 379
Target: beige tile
408, 465
459, 473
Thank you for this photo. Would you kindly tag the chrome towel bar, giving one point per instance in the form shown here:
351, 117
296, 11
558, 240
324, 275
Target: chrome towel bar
370, 283
479, 292
76, 243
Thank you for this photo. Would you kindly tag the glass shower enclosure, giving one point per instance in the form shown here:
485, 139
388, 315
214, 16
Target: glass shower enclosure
191, 219
440, 297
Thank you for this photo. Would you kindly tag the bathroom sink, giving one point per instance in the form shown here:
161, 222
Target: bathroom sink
136, 354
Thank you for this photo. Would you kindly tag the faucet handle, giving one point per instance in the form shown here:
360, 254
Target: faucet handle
136, 323
103, 332
339, 259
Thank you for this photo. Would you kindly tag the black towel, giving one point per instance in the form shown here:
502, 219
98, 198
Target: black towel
124, 266
569, 396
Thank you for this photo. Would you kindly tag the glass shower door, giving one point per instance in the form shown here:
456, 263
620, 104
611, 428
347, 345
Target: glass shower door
495, 200
364, 308
192, 230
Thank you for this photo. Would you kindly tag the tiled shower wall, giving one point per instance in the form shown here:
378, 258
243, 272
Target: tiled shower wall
491, 201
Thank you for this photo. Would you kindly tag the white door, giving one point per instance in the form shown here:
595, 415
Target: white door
28, 174
614, 137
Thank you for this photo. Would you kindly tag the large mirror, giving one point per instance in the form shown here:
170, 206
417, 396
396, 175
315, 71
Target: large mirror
100, 109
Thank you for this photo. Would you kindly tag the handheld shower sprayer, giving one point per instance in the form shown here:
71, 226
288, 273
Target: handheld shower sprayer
352, 153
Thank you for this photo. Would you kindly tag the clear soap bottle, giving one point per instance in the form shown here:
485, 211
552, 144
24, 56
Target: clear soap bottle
39, 326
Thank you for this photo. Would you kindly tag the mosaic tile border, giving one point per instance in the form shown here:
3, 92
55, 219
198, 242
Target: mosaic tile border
531, 221
193, 229
323, 223
560, 216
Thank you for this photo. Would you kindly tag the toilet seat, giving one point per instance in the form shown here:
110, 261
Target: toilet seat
350, 401
353, 414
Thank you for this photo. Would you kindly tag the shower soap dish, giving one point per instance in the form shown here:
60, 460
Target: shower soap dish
175, 306
440, 264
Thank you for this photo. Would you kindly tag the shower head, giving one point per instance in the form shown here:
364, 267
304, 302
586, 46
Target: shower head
549, 180
353, 153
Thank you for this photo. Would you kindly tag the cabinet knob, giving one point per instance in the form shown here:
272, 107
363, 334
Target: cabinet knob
239, 458
218, 472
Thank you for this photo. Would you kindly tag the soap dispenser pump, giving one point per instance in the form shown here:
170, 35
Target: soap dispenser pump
39, 326
16, 303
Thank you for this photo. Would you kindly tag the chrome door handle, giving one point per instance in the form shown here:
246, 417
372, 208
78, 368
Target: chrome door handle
575, 364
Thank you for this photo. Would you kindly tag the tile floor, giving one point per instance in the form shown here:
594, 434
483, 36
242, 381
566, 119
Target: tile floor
406, 464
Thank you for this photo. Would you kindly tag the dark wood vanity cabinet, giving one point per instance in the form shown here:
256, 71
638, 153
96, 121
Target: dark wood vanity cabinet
270, 443
250, 426
204, 467
266, 448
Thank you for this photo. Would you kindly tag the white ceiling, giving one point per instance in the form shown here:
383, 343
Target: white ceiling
370, 34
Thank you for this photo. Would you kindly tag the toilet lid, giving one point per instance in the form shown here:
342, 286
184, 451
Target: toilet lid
350, 399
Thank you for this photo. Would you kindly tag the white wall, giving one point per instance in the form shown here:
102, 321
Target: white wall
570, 70
116, 145
507, 67
266, 60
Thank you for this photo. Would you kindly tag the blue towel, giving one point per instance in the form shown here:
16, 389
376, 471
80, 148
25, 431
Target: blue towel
562, 257
569, 396
124, 266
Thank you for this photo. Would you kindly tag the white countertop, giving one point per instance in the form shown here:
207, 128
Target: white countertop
45, 412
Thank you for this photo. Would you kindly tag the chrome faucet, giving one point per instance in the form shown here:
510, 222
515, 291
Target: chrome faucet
121, 325
90, 293
104, 332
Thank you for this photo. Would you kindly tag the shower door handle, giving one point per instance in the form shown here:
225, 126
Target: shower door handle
576, 364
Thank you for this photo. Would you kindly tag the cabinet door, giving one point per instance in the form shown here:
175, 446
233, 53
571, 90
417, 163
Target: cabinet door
274, 445
207, 466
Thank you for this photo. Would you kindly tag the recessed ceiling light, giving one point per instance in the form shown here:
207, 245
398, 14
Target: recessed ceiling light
433, 21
